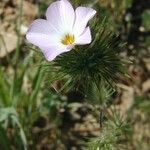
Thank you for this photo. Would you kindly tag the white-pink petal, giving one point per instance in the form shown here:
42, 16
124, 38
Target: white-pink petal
84, 38
83, 15
52, 52
41, 34
61, 15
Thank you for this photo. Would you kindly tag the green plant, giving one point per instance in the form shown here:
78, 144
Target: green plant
114, 134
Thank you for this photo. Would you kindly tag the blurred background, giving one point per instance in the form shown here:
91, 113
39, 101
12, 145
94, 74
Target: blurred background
34, 116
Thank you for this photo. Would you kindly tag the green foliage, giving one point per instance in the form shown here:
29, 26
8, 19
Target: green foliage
14, 98
114, 11
4, 141
142, 103
100, 94
8, 115
147, 41
146, 20
113, 135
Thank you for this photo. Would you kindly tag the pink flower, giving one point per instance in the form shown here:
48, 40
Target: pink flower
62, 29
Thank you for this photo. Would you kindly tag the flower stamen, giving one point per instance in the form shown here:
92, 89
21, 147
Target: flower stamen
68, 39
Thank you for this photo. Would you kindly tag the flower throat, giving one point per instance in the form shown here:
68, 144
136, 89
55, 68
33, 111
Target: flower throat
68, 39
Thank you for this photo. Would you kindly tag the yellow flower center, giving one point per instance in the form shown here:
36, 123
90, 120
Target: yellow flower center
68, 39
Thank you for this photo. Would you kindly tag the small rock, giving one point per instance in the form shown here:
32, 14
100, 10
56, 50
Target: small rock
146, 86
147, 63
8, 43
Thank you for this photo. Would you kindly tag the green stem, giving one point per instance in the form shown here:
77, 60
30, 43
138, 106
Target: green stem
40, 76
18, 33
17, 51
